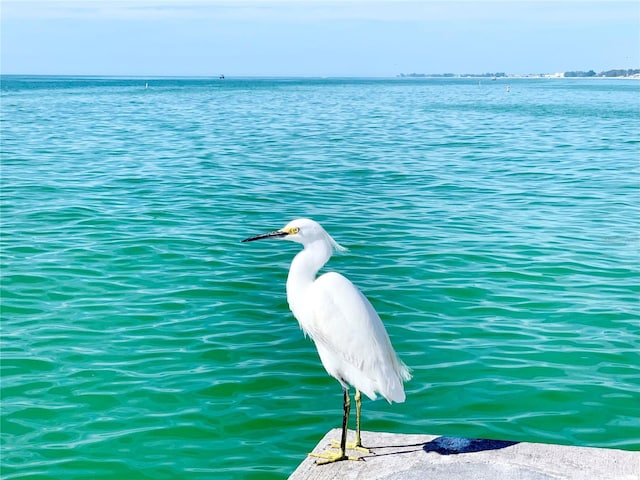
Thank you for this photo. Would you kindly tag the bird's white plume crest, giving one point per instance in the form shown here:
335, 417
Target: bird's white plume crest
336, 246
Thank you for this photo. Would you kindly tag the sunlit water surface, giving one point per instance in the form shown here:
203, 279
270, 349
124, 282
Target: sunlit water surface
496, 233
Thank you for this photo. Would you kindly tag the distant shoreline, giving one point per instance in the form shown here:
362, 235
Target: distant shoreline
513, 77
633, 73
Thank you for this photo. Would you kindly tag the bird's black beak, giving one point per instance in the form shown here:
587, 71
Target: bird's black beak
276, 234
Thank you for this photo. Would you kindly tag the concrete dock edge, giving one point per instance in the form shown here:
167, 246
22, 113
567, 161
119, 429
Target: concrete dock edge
429, 457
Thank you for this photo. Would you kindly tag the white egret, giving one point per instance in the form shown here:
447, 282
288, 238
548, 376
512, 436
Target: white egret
352, 342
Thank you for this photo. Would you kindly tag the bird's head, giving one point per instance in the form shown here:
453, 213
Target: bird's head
302, 230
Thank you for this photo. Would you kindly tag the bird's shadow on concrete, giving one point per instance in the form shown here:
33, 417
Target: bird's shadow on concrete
447, 446
458, 445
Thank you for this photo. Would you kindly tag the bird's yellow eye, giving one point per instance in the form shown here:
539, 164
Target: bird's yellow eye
294, 230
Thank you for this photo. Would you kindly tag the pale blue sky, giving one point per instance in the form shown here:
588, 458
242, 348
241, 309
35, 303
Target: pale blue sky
316, 38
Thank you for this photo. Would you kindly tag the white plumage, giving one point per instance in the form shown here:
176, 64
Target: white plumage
353, 345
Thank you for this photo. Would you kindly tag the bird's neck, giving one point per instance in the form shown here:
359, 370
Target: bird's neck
303, 270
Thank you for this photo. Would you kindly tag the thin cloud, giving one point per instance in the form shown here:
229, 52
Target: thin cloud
543, 11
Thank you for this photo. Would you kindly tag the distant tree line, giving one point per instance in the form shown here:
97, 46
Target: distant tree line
578, 73
619, 72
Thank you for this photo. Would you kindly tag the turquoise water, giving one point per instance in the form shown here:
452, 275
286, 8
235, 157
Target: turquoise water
496, 233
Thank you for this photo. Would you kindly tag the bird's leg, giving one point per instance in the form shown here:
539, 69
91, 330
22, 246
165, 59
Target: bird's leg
357, 445
330, 457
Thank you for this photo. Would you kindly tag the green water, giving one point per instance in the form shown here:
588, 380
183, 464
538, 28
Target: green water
495, 232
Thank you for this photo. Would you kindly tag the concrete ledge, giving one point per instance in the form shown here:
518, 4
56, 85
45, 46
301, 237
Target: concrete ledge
418, 457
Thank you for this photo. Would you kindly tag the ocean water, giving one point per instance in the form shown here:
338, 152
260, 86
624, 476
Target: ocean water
496, 232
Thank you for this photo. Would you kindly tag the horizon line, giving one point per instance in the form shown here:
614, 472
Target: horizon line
413, 75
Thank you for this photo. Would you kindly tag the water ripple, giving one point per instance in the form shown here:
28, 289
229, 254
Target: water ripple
496, 235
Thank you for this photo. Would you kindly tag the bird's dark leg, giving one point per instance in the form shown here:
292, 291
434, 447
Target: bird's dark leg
330, 457
345, 421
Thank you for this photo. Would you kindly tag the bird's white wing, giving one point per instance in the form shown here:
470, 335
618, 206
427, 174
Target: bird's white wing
352, 342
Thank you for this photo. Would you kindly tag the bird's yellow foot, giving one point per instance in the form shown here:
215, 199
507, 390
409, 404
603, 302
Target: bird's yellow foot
331, 457
351, 446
